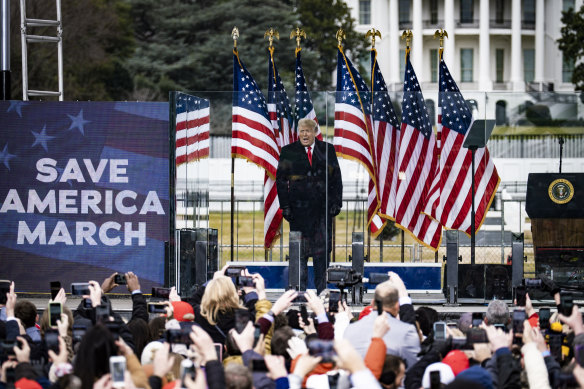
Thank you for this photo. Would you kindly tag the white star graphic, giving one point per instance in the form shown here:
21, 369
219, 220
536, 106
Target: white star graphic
78, 122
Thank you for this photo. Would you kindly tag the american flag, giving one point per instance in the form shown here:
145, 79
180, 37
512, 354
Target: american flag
386, 143
417, 163
304, 107
353, 130
252, 133
450, 196
280, 113
192, 128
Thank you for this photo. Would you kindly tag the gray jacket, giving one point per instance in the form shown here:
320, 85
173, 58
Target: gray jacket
402, 338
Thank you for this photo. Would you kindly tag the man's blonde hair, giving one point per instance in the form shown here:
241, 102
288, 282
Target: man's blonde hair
220, 296
308, 123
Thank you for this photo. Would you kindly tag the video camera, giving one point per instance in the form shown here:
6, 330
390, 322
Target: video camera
343, 276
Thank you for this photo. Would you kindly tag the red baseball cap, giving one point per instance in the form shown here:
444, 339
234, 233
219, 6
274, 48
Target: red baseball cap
183, 311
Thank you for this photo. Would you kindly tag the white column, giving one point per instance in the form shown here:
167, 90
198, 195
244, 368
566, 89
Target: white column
393, 37
449, 47
485, 83
380, 21
517, 80
539, 41
417, 44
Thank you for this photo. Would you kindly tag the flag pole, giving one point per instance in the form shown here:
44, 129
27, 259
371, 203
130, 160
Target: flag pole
407, 35
234, 35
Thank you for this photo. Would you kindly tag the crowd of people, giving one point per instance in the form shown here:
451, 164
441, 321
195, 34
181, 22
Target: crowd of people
228, 336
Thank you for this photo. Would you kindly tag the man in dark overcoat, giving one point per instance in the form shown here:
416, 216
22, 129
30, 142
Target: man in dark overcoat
310, 191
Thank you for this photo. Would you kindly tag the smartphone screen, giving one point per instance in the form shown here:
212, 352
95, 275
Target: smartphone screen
334, 298
439, 330
55, 310
160, 292
518, 319
555, 342
304, 314
52, 340
120, 279
79, 288
55, 288
241, 319
219, 351
4, 288
156, 308
477, 319
435, 380
117, 370
544, 318
520, 297
566, 304
258, 365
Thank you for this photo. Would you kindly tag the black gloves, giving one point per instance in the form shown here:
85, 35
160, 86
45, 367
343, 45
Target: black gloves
335, 210
287, 214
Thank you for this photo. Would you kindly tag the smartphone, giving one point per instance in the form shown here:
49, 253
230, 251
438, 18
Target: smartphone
8, 347
304, 314
334, 298
219, 351
244, 281
439, 330
87, 303
162, 293
379, 306
78, 332
241, 319
518, 319
234, 271
10, 376
55, 288
120, 279
4, 289
300, 298
102, 313
52, 340
187, 367
258, 365
435, 380
544, 318
156, 308
79, 288
520, 295
566, 304
476, 335
579, 354
55, 311
117, 364
322, 348
477, 319
178, 336
555, 343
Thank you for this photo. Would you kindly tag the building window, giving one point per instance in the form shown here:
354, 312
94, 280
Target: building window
466, 65
567, 69
431, 107
434, 12
364, 11
528, 65
501, 112
528, 13
404, 13
567, 5
402, 64
499, 63
466, 11
434, 64
500, 11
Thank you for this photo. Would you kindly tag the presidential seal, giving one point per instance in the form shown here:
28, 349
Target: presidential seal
561, 191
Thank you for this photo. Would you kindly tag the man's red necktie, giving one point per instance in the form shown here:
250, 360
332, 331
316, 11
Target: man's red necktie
309, 155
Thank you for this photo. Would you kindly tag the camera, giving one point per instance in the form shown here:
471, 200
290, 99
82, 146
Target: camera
120, 279
343, 276
378, 278
322, 348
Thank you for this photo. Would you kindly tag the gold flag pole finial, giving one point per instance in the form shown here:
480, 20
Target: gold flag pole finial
235, 36
340, 36
271, 33
441, 34
407, 35
298, 34
373, 33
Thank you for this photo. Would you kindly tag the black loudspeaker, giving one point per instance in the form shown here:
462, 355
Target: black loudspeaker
198, 259
296, 248
471, 281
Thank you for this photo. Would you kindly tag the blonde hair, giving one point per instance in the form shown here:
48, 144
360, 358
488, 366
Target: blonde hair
220, 296
307, 123
45, 325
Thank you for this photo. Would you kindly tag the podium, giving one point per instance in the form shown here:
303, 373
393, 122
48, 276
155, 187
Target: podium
555, 205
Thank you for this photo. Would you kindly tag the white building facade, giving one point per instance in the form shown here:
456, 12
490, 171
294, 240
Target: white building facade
493, 45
